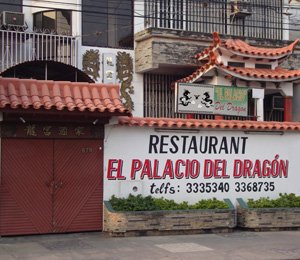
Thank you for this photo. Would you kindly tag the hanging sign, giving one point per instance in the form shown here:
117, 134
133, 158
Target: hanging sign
109, 68
194, 98
231, 101
209, 99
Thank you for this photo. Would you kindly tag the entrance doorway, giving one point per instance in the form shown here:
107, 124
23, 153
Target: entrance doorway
50, 186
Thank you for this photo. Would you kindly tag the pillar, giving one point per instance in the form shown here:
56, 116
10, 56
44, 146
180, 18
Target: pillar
287, 109
259, 103
258, 95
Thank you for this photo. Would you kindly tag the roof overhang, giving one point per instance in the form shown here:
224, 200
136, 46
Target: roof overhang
60, 99
208, 124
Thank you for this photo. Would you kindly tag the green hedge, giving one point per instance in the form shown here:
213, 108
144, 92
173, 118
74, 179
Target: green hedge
139, 203
284, 201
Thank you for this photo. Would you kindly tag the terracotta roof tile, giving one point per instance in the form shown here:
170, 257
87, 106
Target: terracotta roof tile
30, 93
209, 124
242, 47
278, 74
201, 70
216, 43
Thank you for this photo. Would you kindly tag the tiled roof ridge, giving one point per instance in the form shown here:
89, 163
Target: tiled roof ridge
209, 124
276, 74
242, 47
82, 96
53, 82
201, 70
215, 44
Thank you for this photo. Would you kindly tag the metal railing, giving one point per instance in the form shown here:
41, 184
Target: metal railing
21, 46
159, 101
262, 19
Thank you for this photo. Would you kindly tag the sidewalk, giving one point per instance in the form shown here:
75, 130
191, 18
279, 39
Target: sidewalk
88, 246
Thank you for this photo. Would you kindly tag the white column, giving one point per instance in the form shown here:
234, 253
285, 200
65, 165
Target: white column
259, 102
258, 95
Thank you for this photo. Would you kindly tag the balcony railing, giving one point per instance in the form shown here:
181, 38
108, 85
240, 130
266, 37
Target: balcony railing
18, 47
262, 19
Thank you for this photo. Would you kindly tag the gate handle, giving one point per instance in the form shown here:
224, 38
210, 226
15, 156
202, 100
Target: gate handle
51, 186
58, 185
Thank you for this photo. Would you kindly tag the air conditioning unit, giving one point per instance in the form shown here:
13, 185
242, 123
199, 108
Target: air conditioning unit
240, 9
293, 2
12, 20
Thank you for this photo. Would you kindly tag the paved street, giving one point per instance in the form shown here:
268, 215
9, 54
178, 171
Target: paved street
237, 245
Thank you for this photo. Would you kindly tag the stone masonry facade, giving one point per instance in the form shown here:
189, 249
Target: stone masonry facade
267, 218
163, 47
164, 221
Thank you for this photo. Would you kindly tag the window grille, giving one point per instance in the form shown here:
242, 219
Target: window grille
264, 21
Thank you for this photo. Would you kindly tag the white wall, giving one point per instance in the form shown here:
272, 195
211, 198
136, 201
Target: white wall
127, 144
37, 6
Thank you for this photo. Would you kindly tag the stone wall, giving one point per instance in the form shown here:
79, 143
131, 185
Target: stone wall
157, 48
173, 221
293, 61
161, 49
267, 218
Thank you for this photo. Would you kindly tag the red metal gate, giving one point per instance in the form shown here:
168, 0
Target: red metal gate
78, 198
25, 200
50, 186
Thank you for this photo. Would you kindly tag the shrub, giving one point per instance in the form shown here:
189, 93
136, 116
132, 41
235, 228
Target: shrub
284, 201
139, 203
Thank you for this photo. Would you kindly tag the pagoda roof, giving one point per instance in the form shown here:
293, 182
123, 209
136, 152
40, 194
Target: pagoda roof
257, 74
242, 48
274, 75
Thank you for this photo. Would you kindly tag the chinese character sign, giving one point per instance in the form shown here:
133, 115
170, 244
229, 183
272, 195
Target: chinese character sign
109, 68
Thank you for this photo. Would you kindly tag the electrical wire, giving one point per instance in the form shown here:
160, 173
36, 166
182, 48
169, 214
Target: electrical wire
95, 13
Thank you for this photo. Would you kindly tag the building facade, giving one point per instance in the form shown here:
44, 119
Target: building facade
82, 81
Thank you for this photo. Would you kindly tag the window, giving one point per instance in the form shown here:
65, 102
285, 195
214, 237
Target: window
58, 21
236, 64
11, 5
107, 23
263, 66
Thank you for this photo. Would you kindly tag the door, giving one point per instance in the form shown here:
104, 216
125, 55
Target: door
78, 197
50, 186
25, 194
